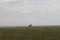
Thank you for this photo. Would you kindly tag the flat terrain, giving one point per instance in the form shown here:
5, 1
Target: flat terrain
30, 33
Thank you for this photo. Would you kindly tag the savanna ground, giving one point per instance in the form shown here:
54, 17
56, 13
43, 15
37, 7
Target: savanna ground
30, 33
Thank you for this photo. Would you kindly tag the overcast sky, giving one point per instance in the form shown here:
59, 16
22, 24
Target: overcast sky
24, 12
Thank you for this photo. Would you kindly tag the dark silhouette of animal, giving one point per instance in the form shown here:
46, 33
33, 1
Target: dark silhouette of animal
30, 25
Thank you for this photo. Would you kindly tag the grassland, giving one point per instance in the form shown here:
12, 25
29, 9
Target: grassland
30, 33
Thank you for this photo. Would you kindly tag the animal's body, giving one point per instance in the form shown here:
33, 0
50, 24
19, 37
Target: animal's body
30, 25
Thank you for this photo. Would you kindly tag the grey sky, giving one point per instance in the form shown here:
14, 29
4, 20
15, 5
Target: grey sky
24, 12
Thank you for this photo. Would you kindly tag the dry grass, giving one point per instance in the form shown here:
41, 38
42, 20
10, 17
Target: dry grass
33, 33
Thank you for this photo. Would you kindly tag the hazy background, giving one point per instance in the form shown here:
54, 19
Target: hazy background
25, 12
